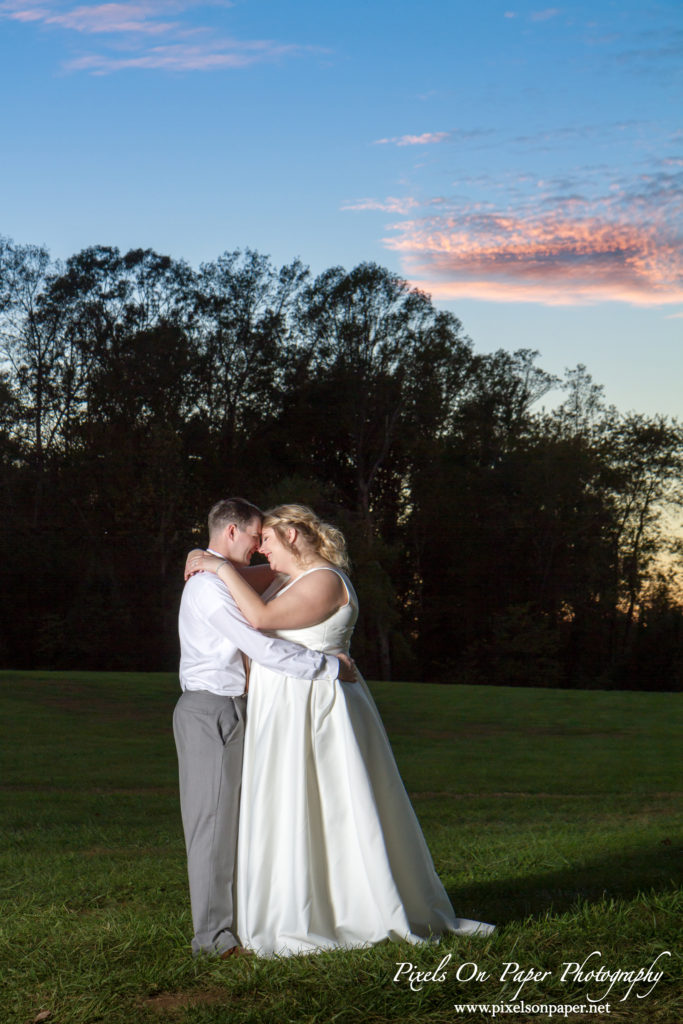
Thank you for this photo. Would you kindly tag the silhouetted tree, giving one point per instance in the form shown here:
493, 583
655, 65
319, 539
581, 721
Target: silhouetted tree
491, 542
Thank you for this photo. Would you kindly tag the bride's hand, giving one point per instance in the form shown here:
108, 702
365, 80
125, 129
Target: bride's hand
201, 561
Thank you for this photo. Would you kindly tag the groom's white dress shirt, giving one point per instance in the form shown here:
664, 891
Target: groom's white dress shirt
214, 633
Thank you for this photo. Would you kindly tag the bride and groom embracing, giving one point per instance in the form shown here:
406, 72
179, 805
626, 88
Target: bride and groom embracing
300, 835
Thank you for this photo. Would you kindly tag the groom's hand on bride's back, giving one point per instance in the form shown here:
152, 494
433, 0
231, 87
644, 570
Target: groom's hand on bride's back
347, 669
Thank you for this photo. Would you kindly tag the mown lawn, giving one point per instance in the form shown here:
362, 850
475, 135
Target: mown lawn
554, 814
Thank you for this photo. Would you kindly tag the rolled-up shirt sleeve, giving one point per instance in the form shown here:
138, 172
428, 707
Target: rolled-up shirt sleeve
217, 608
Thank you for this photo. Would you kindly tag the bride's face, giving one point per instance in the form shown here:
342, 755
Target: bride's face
280, 558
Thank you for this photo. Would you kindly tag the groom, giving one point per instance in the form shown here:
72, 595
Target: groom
209, 719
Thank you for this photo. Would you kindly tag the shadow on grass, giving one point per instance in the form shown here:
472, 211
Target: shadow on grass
653, 867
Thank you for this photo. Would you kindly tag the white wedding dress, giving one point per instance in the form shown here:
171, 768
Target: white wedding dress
330, 853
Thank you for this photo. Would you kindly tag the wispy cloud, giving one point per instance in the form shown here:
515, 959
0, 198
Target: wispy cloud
654, 53
426, 139
392, 204
653, 47
152, 34
431, 138
550, 139
547, 140
93, 18
19, 11
115, 18
626, 246
184, 57
545, 15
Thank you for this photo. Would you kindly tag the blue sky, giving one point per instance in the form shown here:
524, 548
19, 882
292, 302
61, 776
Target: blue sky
521, 162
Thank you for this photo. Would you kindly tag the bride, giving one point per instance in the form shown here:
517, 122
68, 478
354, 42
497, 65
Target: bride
330, 852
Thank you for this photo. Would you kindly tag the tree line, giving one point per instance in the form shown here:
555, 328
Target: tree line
492, 540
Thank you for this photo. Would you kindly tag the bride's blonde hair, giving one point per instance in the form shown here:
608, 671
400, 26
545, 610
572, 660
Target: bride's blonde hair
323, 538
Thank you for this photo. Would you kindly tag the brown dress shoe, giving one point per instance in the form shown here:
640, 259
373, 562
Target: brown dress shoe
235, 951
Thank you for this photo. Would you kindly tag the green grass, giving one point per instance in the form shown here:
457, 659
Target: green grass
554, 814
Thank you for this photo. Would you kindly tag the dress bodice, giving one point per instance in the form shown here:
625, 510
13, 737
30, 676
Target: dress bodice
331, 635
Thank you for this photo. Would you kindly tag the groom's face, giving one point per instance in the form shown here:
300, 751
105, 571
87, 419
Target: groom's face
246, 542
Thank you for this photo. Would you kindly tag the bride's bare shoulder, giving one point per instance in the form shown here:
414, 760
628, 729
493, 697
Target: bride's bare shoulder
323, 581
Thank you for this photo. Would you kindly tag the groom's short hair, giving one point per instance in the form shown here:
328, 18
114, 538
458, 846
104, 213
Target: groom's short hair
232, 510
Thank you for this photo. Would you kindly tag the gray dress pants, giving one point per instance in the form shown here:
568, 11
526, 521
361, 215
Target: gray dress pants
209, 736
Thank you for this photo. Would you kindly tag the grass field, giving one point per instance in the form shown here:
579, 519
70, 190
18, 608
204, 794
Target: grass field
554, 814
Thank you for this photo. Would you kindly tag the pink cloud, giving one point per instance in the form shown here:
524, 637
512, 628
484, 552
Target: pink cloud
23, 10
130, 26
426, 139
112, 18
567, 256
31, 15
182, 58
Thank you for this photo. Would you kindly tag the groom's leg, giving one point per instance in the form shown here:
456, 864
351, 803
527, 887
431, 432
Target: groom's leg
209, 733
